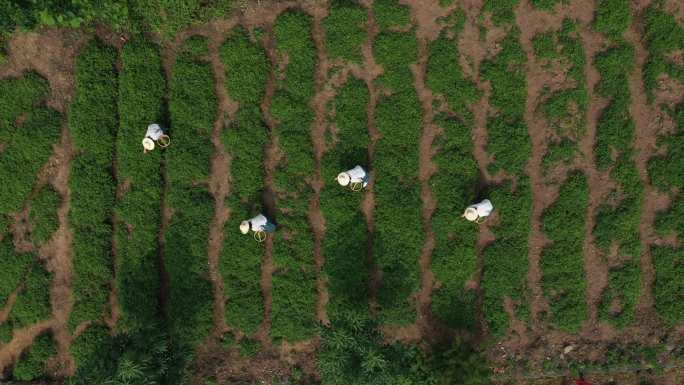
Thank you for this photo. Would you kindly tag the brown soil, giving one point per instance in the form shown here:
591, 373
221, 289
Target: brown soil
319, 103
676, 8
9, 304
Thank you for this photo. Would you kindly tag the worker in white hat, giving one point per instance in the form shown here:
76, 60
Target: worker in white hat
260, 225
479, 211
155, 134
356, 178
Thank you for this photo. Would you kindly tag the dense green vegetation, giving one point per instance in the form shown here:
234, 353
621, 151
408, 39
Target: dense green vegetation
93, 124
247, 69
345, 30
506, 259
141, 89
617, 221
562, 262
454, 259
192, 107
32, 363
399, 232
293, 313
664, 35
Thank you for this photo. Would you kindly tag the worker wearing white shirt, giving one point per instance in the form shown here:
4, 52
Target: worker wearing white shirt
478, 212
357, 178
260, 225
154, 133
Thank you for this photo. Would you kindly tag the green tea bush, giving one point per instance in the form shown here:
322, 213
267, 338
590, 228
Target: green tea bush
193, 106
247, 70
15, 267
91, 351
33, 302
502, 11
389, 13
505, 270
31, 364
613, 17
454, 259
43, 215
508, 137
399, 234
345, 30
562, 262
663, 34
619, 224
24, 152
140, 102
544, 4
294, 281
93, 123
345, 243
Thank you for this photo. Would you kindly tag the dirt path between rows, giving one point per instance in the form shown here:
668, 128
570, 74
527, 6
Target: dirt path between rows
219, 174
370, 71
319, 104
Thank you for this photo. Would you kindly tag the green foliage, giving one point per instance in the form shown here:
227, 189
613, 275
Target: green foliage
33, 301
345, 243
508, 137
193, 107
247, 70
389, 13
93, 123
345, 30
545, 45
294, 292
503, 11
663, 34
544, 4
399, 233
92, 352
141, 90
562, 263
454, 259
43, 215
613, 17
32, 363
15, 266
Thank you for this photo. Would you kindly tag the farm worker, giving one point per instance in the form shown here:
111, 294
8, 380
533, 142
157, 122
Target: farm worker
479, 211
155, 133
260, 225
357, 178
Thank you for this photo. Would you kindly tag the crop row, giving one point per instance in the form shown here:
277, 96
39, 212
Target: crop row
93, 124
562, 262
247, 69
192, 108
505, 266
294, 280
141, 89
454, 258
617, 221
399, 234
663, 36
344, 29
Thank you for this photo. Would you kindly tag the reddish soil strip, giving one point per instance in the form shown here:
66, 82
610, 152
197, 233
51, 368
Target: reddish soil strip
646, 120
271, 158
599, 182
675, 7
219, 186
21, 339
319, 104
370, 71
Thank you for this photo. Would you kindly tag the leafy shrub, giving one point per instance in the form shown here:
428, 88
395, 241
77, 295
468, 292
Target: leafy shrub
90, 350
247, 69
613, 17
389, 13
345, 243
193, 107
345, 30
454, 259
503, 11
562, 262
619, 224
14, 269
544, 4
33, 301
31, 364
399, 236
663, 34
43, 215
93, 124
141, 90
294, 291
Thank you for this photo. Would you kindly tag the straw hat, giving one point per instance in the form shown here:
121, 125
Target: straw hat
244, 227
148, 144
471, 214
164, 141
343, 179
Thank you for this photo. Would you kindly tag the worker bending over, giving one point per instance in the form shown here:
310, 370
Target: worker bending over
260, 225
155, 134
479, 211
356, 178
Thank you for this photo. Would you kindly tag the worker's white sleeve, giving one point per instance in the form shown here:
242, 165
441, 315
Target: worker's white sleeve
154, 131
258, 223
484, 208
